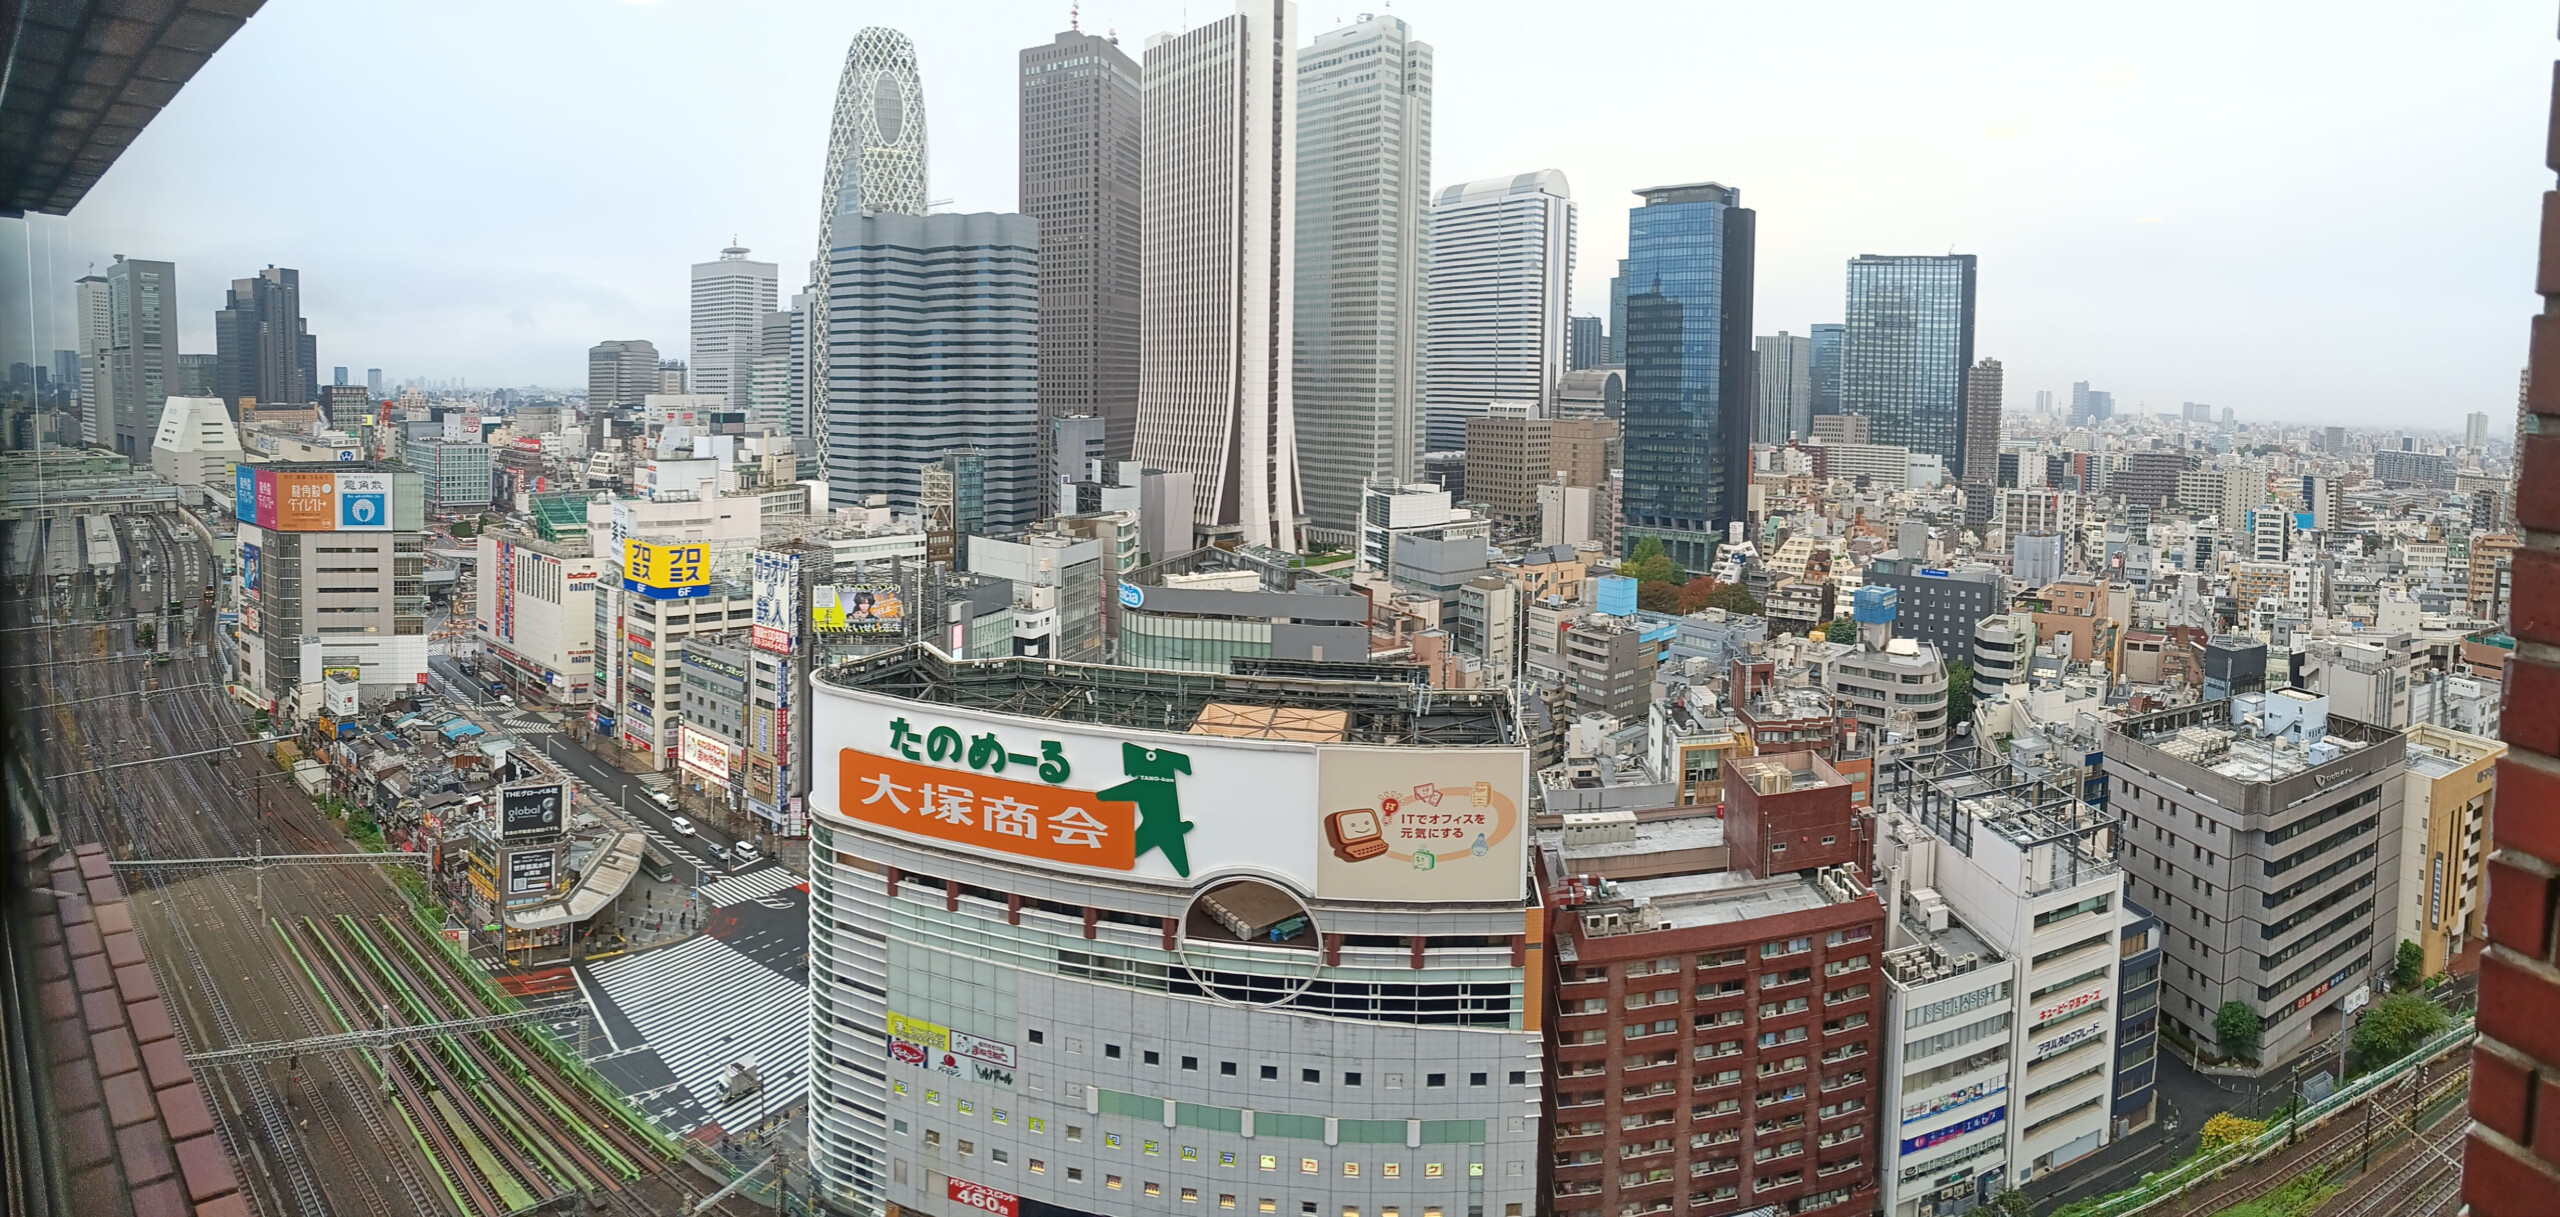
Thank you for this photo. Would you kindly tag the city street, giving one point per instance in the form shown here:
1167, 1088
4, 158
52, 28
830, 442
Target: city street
669, 1022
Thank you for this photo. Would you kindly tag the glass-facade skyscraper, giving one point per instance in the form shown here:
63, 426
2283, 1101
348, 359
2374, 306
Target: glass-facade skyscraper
1688, 355
1824, 369
1909, 340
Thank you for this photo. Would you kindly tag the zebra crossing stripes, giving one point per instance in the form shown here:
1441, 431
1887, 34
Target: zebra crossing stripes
739, 889
704, 1006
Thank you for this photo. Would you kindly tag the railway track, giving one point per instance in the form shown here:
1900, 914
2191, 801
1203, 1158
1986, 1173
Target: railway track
2327, 1148
2417, 1187
480, 1124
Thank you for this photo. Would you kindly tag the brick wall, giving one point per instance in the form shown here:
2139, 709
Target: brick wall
2511, 1162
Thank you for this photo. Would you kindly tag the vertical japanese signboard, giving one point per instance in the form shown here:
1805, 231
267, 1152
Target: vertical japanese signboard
777, 609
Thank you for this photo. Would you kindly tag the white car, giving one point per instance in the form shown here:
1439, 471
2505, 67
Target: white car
744, 856
681, 825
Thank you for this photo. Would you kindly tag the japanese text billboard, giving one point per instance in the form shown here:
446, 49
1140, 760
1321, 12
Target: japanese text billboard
530, 873
303, 501
1364, 823
777, 608
530, 810
707, 755
861, 609
666, 572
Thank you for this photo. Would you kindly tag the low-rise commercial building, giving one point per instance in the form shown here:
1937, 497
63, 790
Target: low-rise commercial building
2002, 980
2452, 795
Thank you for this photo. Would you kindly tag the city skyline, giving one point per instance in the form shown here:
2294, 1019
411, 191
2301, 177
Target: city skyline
1999, 153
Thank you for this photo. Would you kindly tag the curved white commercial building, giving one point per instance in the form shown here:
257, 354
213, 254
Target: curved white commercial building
1092, 940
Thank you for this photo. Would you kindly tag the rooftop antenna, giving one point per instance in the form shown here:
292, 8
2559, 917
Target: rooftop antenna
1074, 14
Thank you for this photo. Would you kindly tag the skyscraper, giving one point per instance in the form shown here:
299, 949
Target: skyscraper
1586, 345
1688, 351
1216, 203
1823, 375
1079, 178
1981, 441
2475, 430
262, 349
619, 373
730, 299
769, 377
1501, 288
1364, 246
1785, 372
875, 166
1617, 334
142, 351
373, 383
1908, 343
96, 345
934, 339
338, 375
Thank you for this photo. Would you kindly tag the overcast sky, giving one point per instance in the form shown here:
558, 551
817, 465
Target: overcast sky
2308, 211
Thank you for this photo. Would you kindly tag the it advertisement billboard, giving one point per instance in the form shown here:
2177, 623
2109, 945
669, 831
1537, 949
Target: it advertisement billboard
1368, 823
531, 810
666, 572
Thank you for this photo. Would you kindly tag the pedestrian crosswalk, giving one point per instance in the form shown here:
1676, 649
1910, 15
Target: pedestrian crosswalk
704, 1006
739, 889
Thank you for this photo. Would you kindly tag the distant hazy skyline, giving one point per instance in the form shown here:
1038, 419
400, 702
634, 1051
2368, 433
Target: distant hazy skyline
2309, 212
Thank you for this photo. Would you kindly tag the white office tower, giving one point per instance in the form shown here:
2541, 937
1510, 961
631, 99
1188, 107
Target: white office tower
1501, 286
730, 300
1217, 206
97, 345
875, 165
1364, 220
1786, 388
2001, 979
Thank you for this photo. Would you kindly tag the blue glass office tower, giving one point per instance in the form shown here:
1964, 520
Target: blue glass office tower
1825, 366
1689, 371
1908, 342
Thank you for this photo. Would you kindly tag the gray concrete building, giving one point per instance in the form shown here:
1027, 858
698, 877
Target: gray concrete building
1939, 606
2264, 831
1079, 176
1364, 247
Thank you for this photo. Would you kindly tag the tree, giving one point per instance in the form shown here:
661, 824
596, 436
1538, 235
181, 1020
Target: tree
1658, 597
2227, 1129
1734, 598
2237, 1028
1646, 548
462, 530
1959, 692
2009, 1202
2393, 1027
1841, 629
2408, 966
1695, 593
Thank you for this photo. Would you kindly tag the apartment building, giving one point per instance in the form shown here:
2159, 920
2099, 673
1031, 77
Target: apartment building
1716, 1042
1900, 689
2264, 831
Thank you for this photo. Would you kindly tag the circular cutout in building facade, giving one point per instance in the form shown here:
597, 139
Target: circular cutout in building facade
1251, 943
